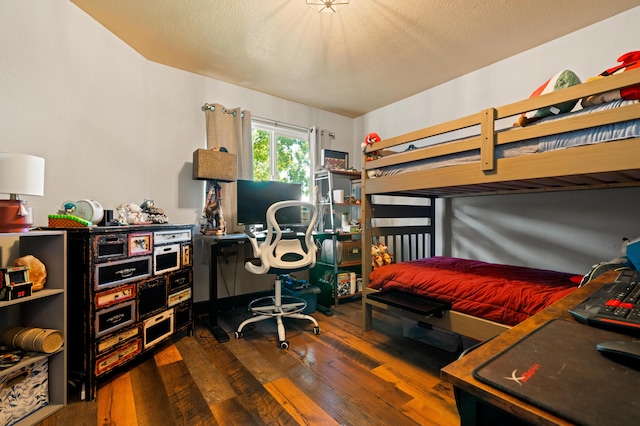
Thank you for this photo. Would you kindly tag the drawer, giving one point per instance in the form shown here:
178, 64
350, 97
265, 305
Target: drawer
114, 340
152, 297
157, 328
182, 316
115, 318
179, 297
166, 258
122, 271
111, 297
111, 246
175, 236
179, 279
118, 357
186, 254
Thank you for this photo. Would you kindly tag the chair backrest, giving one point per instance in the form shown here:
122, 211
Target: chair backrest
283, 255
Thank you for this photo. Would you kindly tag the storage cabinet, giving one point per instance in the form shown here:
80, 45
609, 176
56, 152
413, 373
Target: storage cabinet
130, 288
45, 308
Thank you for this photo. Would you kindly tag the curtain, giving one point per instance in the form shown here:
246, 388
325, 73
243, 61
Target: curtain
230, 128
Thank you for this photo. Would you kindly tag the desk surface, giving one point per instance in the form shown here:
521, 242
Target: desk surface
460, 372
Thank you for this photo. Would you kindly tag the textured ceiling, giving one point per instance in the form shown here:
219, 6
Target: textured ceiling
367, 55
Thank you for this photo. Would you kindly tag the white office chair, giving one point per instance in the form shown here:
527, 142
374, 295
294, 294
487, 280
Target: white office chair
281, 256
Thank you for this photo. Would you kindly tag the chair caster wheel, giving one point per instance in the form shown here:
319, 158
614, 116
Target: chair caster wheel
238, 334
316, 330
284, 344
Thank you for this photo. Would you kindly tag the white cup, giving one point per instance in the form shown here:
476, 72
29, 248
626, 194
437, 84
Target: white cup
338, 196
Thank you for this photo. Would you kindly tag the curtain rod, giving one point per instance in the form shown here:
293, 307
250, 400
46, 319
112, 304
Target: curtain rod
266, 121
275, 123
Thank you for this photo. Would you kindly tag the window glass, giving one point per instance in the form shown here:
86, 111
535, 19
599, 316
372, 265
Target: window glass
281, 155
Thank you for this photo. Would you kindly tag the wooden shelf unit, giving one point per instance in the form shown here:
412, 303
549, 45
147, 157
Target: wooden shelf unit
46, 308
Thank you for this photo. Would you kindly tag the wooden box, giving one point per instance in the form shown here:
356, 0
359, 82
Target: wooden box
216, 165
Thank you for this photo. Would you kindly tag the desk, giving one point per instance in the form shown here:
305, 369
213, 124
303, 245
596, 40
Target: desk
459, 373
215, 241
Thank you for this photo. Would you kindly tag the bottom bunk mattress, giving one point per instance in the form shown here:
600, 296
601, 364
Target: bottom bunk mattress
502, 293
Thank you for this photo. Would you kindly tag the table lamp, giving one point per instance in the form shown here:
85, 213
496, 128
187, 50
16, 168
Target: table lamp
20, 174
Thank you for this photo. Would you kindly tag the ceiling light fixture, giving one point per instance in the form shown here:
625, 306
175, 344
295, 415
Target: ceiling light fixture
327, 5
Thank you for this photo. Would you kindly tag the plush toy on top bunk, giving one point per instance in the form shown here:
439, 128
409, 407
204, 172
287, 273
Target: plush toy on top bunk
370, 139
628, 61
559, 81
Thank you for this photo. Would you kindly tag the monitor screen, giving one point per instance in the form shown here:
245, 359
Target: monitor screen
255, 197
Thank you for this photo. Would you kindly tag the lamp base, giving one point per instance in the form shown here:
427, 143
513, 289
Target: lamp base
11, 219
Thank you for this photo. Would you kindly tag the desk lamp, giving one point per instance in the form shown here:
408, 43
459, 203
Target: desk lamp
20, 174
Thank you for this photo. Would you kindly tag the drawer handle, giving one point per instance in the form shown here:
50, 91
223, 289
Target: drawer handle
115, 319
126, 273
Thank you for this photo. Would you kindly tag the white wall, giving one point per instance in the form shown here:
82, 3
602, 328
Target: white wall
566, 231
111, 125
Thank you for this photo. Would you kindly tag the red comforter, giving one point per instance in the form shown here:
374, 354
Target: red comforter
501, 293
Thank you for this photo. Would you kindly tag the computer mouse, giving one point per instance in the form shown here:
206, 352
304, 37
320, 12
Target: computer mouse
626, 352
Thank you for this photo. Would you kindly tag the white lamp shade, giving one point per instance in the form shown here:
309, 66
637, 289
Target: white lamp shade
21, 174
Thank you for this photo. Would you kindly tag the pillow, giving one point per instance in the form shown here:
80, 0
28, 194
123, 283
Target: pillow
628, 61
559, 81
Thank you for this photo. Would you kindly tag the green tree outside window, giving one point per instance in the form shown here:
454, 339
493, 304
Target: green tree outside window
281, 158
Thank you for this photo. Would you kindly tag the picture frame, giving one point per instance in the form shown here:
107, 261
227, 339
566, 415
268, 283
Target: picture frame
140, 243
335, 160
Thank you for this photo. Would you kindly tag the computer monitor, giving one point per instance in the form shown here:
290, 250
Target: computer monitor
255, 197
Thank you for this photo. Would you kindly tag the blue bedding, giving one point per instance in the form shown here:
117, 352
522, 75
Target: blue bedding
606, 133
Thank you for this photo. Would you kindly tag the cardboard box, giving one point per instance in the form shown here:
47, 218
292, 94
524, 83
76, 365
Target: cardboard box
24, 391
215, 165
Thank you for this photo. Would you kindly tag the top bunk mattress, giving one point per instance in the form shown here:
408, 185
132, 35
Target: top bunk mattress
601, 134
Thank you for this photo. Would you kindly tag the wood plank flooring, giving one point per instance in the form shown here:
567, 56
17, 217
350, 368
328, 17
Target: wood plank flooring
344, 376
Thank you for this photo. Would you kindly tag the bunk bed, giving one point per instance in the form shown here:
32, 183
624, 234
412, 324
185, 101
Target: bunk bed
399, 188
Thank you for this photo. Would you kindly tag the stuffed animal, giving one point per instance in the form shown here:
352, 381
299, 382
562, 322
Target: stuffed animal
628, 61
376, 259
561, 80
384, 253
370, 139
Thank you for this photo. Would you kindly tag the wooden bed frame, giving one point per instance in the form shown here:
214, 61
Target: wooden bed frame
605, 165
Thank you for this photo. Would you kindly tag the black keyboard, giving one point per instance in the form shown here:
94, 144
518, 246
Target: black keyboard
615, 305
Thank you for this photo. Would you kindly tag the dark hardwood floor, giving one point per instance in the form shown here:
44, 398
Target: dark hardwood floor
344, 376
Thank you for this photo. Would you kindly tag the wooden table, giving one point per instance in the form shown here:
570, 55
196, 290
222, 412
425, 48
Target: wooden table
459, 373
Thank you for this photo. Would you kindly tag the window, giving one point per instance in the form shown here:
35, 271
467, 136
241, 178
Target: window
281, 153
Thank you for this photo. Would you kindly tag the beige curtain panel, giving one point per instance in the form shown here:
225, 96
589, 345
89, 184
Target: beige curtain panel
230, 128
